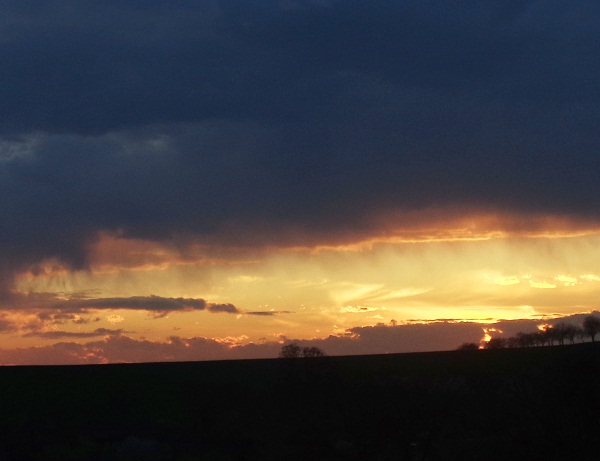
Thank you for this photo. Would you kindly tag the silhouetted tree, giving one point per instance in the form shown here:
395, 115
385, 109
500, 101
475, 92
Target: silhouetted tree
512, 342
591, 326
526, 339
571, 331
540, 338
560, 331
563, 331
291, 351
581, 333
549, 334
312, 352
496, 343
468, 347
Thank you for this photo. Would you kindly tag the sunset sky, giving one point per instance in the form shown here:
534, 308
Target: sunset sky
185, 180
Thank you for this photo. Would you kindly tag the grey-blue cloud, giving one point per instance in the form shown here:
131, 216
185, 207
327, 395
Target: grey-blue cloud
157, 304
169, 119
57, 334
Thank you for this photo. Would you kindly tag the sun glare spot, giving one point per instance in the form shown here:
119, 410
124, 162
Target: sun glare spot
486, 336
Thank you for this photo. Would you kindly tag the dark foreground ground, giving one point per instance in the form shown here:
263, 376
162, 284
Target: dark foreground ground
535, 404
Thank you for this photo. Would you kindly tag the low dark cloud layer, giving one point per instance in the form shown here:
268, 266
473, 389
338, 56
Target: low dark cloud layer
243, 122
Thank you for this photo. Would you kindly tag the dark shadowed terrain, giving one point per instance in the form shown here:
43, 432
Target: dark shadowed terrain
534, 403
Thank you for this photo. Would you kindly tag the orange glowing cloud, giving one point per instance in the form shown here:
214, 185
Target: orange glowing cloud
115, 249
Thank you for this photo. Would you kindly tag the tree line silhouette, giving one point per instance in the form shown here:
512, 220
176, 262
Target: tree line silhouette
562, 333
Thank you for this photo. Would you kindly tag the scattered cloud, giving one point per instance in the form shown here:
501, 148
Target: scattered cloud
228, 308
542, 285
114, 318
508, 280
566, 280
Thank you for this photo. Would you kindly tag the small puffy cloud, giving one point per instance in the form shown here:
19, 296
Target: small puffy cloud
542, 285
114, 318
590, 277
566, 280
228, 308
509, 280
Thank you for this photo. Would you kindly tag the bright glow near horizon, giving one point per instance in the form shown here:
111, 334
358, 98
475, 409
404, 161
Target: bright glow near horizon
313, 293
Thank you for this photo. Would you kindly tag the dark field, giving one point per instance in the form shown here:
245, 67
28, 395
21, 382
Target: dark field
535, 403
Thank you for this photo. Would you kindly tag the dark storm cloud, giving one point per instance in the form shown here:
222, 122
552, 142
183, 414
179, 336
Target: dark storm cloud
168, 119
89, 67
